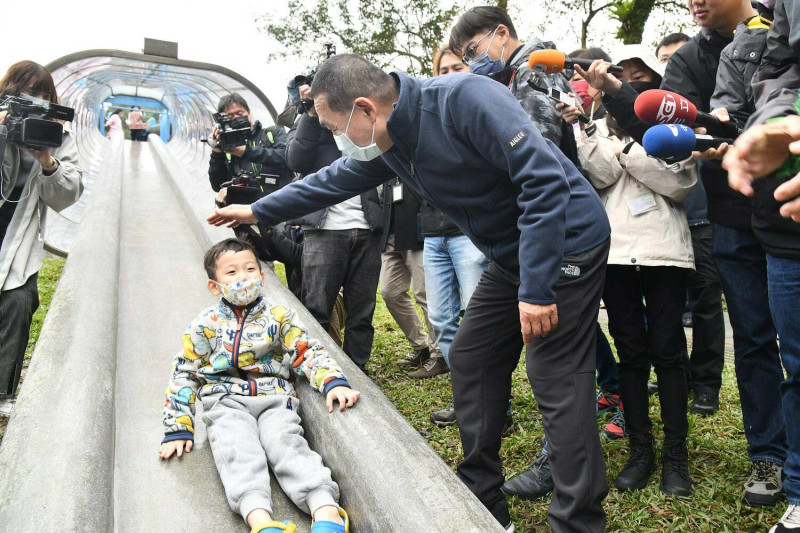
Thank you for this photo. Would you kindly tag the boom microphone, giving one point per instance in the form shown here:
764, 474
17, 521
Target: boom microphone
676, 141
663, 107
553, 61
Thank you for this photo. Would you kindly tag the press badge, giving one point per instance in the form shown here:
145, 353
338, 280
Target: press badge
397, 193
642, 204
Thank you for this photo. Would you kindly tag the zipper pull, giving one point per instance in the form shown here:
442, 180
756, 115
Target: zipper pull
412, 166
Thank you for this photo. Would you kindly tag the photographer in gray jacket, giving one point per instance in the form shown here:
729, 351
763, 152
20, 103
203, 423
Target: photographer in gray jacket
32, 180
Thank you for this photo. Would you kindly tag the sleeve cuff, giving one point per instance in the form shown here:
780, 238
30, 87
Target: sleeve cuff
332, 384
178, 435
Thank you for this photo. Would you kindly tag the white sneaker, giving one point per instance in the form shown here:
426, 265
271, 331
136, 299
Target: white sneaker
790, 523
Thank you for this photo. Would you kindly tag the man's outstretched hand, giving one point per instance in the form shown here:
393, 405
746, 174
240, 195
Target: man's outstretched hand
232, 216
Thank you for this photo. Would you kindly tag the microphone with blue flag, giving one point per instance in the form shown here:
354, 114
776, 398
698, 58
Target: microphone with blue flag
676, 141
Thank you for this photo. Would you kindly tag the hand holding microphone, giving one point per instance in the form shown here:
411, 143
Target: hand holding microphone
677, 141
553, 62
663, 107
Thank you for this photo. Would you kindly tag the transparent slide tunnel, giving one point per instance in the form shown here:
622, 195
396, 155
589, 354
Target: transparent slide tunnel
185, 92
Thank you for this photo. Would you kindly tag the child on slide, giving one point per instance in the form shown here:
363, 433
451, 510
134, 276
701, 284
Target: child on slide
239, 357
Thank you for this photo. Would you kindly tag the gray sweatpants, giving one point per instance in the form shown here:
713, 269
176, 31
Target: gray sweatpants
246, 434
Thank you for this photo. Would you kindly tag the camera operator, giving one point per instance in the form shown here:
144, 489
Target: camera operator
31, 181
263, 153
341, 243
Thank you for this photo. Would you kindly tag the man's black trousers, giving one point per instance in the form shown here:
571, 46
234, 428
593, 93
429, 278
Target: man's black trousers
561, 370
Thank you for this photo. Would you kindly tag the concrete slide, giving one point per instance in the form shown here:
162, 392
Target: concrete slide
80, 450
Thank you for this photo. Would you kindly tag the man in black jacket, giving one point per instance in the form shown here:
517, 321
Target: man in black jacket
341, 246
742, 263
767, 152
264, 152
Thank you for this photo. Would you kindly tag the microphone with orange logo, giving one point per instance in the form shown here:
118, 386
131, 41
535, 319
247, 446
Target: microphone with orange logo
553, 61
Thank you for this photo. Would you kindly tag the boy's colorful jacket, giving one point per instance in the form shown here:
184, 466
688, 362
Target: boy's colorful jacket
252, 352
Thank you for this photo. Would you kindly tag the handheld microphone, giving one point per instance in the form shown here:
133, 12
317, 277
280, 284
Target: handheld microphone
676, 141
553, 61
663, 107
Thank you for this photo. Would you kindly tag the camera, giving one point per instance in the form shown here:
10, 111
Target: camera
29, 123
233, 132
248, 188
306, 79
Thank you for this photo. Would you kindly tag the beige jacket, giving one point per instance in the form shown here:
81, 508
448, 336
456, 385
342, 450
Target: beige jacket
23, 247
643, 198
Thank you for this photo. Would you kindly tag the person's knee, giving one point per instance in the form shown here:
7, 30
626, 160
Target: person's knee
393, 292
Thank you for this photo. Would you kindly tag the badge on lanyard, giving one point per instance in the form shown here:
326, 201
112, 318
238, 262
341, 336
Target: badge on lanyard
397, 193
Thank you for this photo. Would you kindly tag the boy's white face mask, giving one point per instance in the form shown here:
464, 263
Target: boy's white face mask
243, 292
351, 149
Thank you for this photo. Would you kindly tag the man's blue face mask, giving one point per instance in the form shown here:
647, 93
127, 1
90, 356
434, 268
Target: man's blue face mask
482, 64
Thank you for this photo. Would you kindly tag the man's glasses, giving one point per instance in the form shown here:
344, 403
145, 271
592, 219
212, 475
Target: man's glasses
470, 52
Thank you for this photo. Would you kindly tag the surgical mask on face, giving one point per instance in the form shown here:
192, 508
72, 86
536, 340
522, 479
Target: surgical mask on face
241, 293
581, 88
642, 86
482, 65
351, 149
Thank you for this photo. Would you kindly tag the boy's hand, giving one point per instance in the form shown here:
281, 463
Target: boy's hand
168, 448
345, 396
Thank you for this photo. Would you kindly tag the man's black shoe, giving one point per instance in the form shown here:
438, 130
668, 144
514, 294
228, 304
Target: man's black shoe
675, 480
430, 368
652, 388
444, 417
640, 465
535, 482
416, 359
706, 403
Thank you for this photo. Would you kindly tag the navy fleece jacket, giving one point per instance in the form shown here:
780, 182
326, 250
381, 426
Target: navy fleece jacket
466, 146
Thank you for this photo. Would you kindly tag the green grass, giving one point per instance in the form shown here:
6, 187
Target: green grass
718, 459
717, 448
48, 279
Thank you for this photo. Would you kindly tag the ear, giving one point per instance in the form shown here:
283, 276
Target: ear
213, 288
503, 33
366, 106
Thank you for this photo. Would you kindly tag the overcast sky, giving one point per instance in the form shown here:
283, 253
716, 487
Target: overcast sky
221, 32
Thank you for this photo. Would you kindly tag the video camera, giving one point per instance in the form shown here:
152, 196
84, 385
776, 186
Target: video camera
28, 121
247, 188
306, 79
233, 132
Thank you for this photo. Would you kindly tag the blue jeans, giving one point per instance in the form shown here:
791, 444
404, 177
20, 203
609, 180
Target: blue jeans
784, 293
742, 266
453, 267
607, 373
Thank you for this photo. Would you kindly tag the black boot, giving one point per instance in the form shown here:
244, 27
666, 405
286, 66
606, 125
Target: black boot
676, 480
641, 463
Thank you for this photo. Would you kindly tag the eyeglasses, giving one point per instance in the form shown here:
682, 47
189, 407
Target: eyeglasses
469, 53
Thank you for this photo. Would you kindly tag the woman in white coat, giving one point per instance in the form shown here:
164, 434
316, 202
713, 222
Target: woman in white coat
649, 263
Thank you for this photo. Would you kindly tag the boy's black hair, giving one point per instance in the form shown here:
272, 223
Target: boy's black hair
216, 251
478, 20
672, 38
